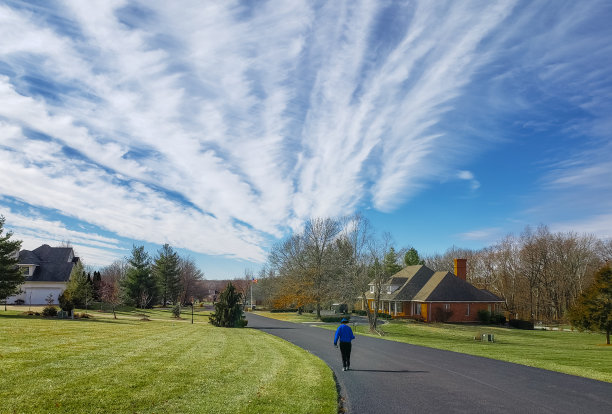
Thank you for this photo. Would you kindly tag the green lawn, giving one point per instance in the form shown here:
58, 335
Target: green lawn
103, 365
576, 353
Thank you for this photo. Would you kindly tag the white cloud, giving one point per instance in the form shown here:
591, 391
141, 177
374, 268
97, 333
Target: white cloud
214, 126
469, 176
485, 235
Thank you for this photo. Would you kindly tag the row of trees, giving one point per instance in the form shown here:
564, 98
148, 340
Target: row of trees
331, 260
539, 274
139, 281
143, 281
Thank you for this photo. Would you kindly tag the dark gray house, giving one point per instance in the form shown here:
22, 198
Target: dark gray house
47, 270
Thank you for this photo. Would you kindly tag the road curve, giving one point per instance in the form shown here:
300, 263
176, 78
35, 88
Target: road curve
392, 377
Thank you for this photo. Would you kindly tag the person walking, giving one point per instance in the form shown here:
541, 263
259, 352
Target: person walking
344, 334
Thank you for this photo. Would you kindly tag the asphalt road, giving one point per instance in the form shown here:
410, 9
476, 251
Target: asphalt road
391, 377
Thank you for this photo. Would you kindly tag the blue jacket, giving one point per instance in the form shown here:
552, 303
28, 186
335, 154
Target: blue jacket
345, 333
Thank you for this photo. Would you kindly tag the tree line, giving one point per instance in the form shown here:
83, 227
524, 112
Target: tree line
538, 274
331, 260
139, 280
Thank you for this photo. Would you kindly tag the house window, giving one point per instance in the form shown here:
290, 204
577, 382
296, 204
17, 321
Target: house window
25, 271
446, 307
467, 310
417, 309
372, 289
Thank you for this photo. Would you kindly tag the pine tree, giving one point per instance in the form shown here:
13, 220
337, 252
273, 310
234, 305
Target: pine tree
97, 285
390, 262
79, 290
593, 310
139, 285
411, 258
10, 275
167, 274
228, 310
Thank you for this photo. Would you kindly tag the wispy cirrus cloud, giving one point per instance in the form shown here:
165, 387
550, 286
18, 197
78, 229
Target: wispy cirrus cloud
219, 126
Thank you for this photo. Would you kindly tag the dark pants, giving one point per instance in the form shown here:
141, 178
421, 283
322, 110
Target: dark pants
345, 350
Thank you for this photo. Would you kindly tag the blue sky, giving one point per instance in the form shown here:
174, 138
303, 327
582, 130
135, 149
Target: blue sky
220, 127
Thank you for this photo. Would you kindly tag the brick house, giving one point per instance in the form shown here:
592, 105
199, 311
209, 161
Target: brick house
419, 292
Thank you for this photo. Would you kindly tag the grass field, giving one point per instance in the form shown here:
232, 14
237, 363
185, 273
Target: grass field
102, 365
576, 353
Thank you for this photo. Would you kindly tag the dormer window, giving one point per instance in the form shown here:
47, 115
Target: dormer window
371, 288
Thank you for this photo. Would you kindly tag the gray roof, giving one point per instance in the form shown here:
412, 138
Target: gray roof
423, 284
53, 264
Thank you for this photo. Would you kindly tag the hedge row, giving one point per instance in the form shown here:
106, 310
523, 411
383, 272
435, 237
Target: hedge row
333, 318
521, 324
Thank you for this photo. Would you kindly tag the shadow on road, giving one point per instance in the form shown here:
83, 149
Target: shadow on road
272, 328
382, 370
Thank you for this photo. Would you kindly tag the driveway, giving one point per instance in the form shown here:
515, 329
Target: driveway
393, 377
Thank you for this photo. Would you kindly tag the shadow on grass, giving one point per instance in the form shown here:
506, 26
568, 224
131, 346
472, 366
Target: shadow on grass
59, 320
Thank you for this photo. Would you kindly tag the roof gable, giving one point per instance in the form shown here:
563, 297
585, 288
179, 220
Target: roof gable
53, 264
420, 275
446, 287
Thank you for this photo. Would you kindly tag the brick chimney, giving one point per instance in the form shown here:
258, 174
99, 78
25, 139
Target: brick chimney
461, 268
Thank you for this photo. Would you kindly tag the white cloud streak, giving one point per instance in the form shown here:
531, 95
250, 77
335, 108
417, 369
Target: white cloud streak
216, 126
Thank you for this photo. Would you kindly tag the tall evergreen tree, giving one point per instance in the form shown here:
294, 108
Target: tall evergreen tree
79, 289
10, 275
228, 310
139, 286
593, 310
167, 274
390, 262
97, 285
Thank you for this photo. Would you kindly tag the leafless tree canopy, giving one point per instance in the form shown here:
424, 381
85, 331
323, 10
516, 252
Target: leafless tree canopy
538, 274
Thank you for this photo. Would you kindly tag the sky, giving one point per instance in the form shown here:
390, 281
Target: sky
220, 127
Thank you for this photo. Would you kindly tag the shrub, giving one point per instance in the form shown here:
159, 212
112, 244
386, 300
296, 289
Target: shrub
521, 324
498, 319
333, 318
360, 312
382, 315
228, 311
484, 316
176, 311
20, 302
65, 301
49, 311
441, 315
293, 310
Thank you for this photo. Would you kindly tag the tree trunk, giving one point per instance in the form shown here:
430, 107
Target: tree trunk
608, 336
